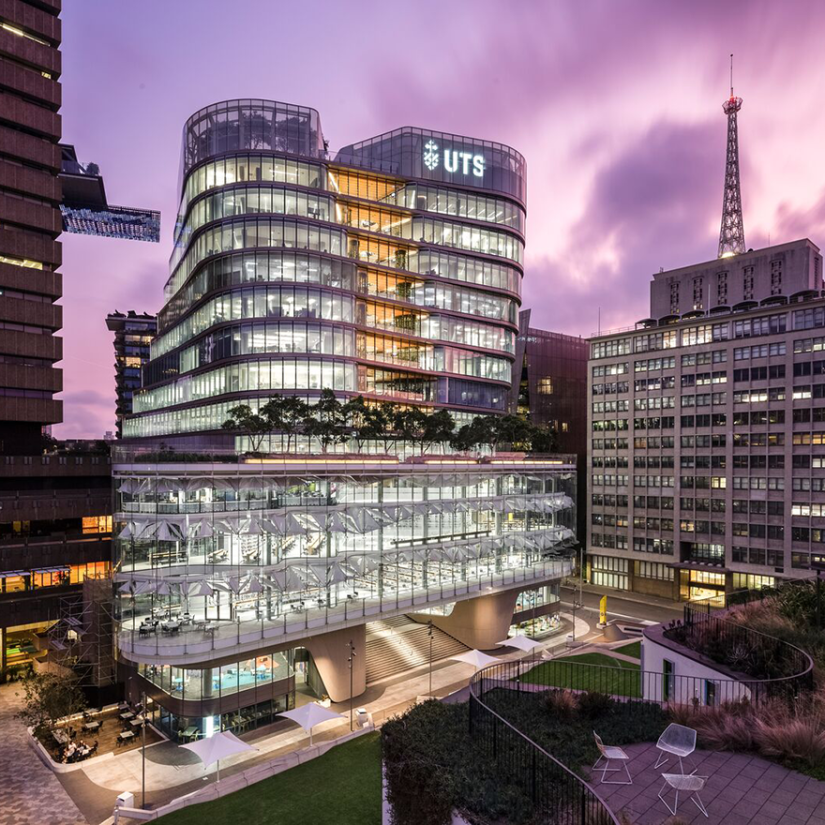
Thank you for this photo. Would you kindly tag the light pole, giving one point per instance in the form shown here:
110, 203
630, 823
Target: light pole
143, 750
351, 662
430, 634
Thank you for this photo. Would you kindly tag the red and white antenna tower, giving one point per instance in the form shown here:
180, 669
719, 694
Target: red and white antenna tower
732, 234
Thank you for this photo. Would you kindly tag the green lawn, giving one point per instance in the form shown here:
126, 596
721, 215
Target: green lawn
634, 649
342, 787
589, 671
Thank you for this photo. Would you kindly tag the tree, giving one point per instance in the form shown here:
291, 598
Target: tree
49, 698
326, 420
288, 414
438, 428
543, 439
512, 430
256, 426
365, 420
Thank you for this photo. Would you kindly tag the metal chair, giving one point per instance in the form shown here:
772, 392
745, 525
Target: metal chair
611, 754
678, 741
679, 782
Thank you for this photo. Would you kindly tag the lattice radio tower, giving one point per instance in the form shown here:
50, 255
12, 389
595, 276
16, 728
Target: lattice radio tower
732, 234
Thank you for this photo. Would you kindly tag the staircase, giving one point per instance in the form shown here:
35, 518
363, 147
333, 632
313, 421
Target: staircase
400, 644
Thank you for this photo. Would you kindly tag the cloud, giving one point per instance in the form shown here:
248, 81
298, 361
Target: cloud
640, 215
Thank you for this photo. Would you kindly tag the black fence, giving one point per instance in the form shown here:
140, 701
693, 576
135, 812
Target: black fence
562, 797
558, 793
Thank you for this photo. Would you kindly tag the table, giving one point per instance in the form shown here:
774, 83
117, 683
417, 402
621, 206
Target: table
127, 715
136, 723
61, 737
170, 627
91, 726
190, 733
126, 735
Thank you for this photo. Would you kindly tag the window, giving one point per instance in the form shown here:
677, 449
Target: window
722, 288
776, 277
747, 283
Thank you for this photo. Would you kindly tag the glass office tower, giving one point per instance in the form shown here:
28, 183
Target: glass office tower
392, 271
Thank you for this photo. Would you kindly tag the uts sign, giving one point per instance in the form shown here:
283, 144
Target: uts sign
463, 162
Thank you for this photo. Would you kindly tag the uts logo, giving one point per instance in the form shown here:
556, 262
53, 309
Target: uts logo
431, 155
463, 162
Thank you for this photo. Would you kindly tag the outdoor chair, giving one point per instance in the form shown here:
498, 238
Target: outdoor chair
690, 784
678, 741
611, 754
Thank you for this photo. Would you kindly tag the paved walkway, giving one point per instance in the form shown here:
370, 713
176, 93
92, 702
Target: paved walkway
170, 772
30, 794
740, 790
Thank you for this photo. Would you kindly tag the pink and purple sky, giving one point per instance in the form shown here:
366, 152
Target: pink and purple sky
616, 105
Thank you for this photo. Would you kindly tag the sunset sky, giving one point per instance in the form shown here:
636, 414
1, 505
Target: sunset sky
616, 106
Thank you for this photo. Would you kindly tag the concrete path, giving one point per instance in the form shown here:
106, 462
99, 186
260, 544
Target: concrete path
740, 790
172, 772
30, 794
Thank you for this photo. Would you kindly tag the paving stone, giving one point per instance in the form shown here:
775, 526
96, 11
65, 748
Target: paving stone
31, 793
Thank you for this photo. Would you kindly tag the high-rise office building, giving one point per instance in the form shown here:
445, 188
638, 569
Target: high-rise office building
392, 271
30, 195
133, 334
707, 430
550, 388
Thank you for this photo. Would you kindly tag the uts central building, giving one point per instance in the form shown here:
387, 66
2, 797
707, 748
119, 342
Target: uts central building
392, 271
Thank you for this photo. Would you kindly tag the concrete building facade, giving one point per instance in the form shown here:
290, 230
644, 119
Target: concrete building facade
707, 430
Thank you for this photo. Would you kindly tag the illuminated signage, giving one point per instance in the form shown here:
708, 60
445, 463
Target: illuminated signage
454, 161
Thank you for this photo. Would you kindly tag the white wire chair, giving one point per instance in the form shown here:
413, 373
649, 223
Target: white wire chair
691, 784
678, 741
611, 754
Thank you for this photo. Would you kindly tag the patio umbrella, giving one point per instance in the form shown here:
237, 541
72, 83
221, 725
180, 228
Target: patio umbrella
524, 643
308, 716
220, 746
476, 658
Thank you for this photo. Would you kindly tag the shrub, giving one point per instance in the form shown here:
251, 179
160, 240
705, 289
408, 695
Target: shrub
801, 738
561, 703
593, 704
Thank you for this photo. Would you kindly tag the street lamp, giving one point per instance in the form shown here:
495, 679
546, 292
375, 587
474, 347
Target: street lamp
430, 634
351, 662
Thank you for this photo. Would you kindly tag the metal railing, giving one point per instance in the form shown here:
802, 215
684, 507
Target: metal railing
557, 792
562, 797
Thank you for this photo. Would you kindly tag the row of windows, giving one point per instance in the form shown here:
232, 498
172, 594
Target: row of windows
259, 233
759, 351
257, 339
653, 481
259, 302
272, 375
458, 203
664, 382
653, 364
706, 334
251, 168
228, 203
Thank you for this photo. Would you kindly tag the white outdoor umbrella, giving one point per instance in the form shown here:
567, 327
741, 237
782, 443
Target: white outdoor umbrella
219, 746
476, 658
524, 643
308, 716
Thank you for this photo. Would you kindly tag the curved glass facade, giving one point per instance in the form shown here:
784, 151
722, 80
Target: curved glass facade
390, 257
392, 271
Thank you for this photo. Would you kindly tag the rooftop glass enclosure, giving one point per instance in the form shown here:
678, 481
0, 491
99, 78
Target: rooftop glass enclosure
234, 553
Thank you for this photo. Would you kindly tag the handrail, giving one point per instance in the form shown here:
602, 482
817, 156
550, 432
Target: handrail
516, 752
552, 785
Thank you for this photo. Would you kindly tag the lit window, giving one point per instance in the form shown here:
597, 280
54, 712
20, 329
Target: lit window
97, 524
545, 386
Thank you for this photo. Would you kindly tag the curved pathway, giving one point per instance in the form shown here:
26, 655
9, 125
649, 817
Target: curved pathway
30, 794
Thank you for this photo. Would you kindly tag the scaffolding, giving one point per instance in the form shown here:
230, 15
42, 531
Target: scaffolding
82, 639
